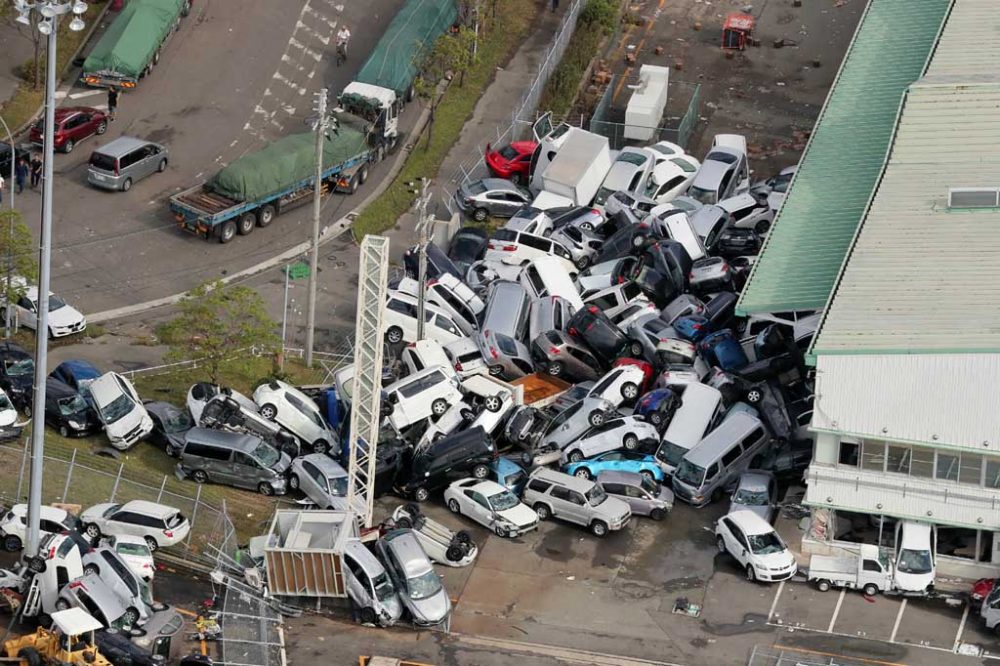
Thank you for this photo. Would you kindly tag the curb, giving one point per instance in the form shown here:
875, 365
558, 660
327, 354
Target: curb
327, 234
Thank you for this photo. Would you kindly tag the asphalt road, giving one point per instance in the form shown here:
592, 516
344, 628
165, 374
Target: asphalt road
235, 75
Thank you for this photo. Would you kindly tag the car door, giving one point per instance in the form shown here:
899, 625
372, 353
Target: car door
358, 584
638, 500
728, 533
478, 508
246, 472
313, 483
576, 507
511, 202
150, 160
26, 312
126, 522
127, 389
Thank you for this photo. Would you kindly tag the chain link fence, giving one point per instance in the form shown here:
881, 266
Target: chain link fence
679, 118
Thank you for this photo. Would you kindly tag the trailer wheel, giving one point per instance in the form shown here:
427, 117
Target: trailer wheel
823, 585
247, 223
228, 231
363, 174
380, 153
266, 215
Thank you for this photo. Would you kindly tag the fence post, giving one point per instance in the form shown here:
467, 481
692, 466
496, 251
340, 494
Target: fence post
114, 491
163, 485
20, 477
194, 513
69, 477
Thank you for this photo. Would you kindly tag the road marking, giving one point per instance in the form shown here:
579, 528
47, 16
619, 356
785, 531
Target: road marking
288, 82
60, 94
565, 654
305, 49
321, 17
774, 603
834, 654
87, 93
836, 611
961, 628
302, 26
899, 618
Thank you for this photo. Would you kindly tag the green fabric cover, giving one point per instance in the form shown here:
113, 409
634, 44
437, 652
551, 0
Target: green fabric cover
396, 58
128, 45
285, 162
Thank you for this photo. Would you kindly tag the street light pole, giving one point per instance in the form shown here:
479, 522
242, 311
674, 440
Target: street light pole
423, 231
10, 229
321, 128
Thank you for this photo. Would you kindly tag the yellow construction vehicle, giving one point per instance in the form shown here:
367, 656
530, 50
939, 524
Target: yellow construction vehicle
69, 641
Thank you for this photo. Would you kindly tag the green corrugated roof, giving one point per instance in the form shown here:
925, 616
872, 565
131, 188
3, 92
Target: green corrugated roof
811, 235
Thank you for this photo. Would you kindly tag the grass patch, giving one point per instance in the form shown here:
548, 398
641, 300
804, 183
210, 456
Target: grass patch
596, 21
500, 38
22, 105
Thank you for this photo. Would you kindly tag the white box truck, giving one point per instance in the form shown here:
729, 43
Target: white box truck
575, 174
645, 108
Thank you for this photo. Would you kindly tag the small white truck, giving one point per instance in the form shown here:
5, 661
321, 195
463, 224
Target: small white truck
870, 571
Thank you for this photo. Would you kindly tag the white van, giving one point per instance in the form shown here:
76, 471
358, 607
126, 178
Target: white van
700, 406
120, 409
451, 295
547, 276
421, 395
466, 358
401, 321
422, 354
677, 225
719, 458
916, 556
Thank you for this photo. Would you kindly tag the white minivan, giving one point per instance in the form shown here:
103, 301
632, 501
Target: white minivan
451, 295
676, 224
755, 545
547, 276
421, 395
401, 321
120, 409
701, 405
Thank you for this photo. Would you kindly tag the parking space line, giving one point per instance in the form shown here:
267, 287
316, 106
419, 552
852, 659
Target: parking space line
774, 604
833, 654
899, 618
961, 628
836, 611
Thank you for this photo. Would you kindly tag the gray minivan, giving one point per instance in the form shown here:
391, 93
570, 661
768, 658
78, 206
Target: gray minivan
125, 161
234, 459
504, 327
718, 460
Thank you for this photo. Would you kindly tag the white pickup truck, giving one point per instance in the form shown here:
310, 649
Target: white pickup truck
869, 571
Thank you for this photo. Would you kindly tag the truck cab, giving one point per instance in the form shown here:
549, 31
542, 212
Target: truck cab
375, 104
870, 571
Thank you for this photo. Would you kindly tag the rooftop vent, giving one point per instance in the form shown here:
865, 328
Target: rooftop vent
974, 197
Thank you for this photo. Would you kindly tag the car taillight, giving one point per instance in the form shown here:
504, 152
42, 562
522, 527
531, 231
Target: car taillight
509, 248
493, 353
75, 584
592, 309
491, 246
691, 275
696, 327
468, 200
116, 167
411, 345
458, 366
572, 330
52, 552
594, 211
168, 534
553, 350
621, 280
431, 283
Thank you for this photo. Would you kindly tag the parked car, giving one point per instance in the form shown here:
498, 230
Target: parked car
170, 424
442, 544
559, 355
135, 553
419, 586
547, 277
723, 173
517, 248
658, 406
369, 586
628, 432
125, 161
512, 161
617, 461
916, 556
132, 591
628, 173
421, 395
616, 298
296, 412
63, 318
748, 211
492, 506
160, 525
72, 125
508, 474
14, 524
569, 424
756, 491
437, 263
467, 246
93, 595
503, 329
575, 500
755, 546
618, 385
776, 188
491, 197
66, 410
548, 314
235, 459
583, 245
465, 357
10, 428
464, 453
17, 373
533, 220
598, 332
401, 311
644, 496
321, 479
671, 178
120, 409
78, 375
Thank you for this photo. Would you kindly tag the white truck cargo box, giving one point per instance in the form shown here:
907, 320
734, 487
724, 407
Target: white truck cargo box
645, 108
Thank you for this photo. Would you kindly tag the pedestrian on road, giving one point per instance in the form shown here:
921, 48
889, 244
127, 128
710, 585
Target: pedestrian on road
343, 37
36, 170
112, 102
20, 174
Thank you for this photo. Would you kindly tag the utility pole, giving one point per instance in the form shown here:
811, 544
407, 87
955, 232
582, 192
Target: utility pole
423, 230
10, 230
320, 126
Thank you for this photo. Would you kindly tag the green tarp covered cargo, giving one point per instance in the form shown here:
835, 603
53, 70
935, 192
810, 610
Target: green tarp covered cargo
286, 162
396, 58
130, 42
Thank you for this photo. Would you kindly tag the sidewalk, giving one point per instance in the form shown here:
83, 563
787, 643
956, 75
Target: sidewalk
17, 48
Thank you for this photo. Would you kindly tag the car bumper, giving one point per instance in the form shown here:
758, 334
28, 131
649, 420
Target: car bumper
619, 524
521, 530
10, 432
61, 331
132, 437
104, 181
775, 576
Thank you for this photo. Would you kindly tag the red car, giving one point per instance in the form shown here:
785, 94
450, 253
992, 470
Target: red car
513, 161
980, 590
73, 125
647, 371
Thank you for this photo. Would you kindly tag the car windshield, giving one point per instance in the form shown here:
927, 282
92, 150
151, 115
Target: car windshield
20, 367
136, 549
637, 159
765, 544
56, 303
512, 480
467, 246
111, 510
780, 183
508, 153
671, 453
689, 473
338, 485
649, 485
506, 344
424, 585
702, 195
603, 194
914, 561
596, 496
5, 402
177, 421
383, 587
266, 454
684, 164
503, 500
750, 497
117, 408
476, 188
72, 405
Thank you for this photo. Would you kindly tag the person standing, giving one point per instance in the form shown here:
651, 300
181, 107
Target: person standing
36, 170
112, 102
343, 37
20, 174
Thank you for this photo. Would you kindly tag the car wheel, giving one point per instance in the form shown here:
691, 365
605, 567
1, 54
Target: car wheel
754, 396
453, 506
516, 178
480, 472
555, 369
480, 215
293, 481
647, 474
762, 227
656, 419
37, 564
248, 222
575, 456
596, 418
493, 403
27, 410
268, 411
228, 231
368, 616
199, 476
363, 174
68, 146
542, 511
92, 531
151, 544
91, 569
630, 442
454, 553
582, 473
582, 262
12, 543
496, 370
635, 350
599, 529
720, 545
320, 446
823, 585
63, 431
500, 531
630, 390
751, 574
421, 494
102, 127
265, 488
586, 226
394, 335
871, 589
439, 407
657, 514
716, 495
62, 604
265, 216
404, 522
162, 166
131, 616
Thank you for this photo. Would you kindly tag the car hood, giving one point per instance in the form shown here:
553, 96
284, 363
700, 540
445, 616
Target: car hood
520, 514
613, 508
8, 417
95, 512
64, 316
761, 510
781, 560
127, 422
432, 610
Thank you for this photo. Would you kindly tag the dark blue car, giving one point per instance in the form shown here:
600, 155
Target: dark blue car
658, 406
723, 350
692, 327
77, 374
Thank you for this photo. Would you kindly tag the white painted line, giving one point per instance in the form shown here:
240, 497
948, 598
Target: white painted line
899, 617
60, 94
87, 93
961, 628
325, 39
774, 603
331, 23
299, 45
836, 611
288, 82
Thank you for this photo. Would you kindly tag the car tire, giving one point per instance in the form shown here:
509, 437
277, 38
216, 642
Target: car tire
871, 589
131, 616
762, 227
647, 474
575, 456
151, 544
394, 335
463, 537
102, 127
480, 215
293, 481
264, 488
248, 222
363, 174
268, 411
496, 370
62, 604
754, 396
421, 494
12, 543
583, 473
68, 146
228, 232
720, 545
91, 569
599, 529
751, 574
657, 514
630, 390
162, 166
555, 369
63, 431
595, 418
368, 616
635, 350
586, 226
320, 446
92, 531
266, 215
126, 185
493, 403
454, 553
500, 531
480, 472
656, 419
439, 407
582, 263
404, 522
199, 476
823, 585
37, 564
630, 442
29, 655
542, 511
454, 507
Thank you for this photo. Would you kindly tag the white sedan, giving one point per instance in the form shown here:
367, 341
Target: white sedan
671, 178
618, 385
296, 412
490, 504
135, 552
63, 319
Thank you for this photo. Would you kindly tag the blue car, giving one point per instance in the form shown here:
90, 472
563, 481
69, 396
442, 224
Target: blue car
658, 406
692, 327
723, 350
508, 474
77, 374
619, 461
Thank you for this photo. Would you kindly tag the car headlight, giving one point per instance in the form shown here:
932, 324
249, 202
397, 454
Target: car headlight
698, 498
75, 425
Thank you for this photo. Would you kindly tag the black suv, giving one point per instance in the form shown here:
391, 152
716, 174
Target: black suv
17, 373
458, 455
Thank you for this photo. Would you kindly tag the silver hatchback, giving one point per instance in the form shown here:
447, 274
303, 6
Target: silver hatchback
125, 161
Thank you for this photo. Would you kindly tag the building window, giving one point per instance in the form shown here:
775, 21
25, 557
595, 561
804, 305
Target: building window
971, 469
922, 462
947, 467
898, 460
849, 455
873, 456
992, 473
